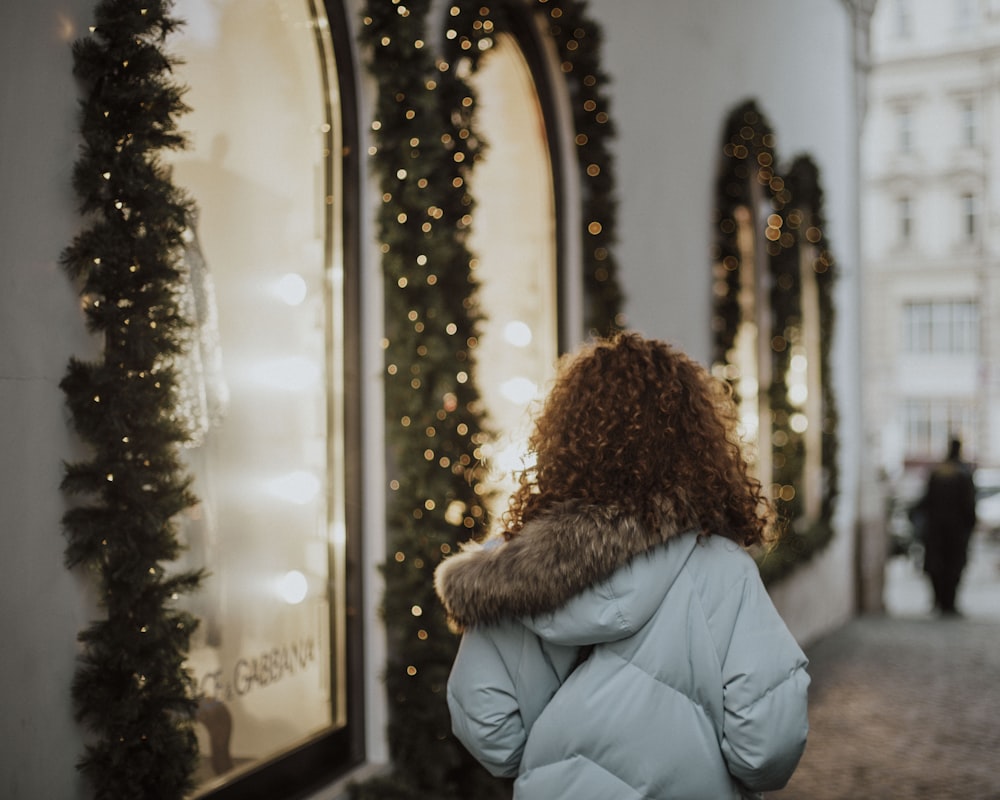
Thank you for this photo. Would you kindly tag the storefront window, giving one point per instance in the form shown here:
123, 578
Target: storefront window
514, 239
805, 387
264, 391
749, 356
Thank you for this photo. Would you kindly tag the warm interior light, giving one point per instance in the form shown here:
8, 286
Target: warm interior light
294, 374
299, 487
293, 587
513, 236
797, 394
519, 390
291, 288
517, 333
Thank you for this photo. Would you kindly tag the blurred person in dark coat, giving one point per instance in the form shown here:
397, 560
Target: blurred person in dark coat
947, 512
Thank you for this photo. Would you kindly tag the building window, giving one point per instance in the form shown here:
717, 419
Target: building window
749, 354
904, 130
968, 116
904, 209
970, 216
515, 239
965, 14
941, 327
928, 424
903, 19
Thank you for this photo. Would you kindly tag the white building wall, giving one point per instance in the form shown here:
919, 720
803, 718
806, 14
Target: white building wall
44, 605
943, 62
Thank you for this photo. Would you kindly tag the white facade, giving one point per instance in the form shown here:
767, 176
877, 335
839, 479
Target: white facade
677, 70
930, 236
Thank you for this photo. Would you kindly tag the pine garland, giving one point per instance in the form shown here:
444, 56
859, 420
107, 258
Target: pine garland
131, 686
579, 42
424, 151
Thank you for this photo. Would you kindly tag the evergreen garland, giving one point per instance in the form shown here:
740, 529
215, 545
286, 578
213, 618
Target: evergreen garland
804, 179
793, 204
131, 686
801, 209
425, 147
424, 150
788, 444
579, 41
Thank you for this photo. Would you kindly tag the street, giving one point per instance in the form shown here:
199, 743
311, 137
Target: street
906, 706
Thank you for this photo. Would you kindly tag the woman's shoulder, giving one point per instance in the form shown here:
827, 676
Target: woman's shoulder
721, 550
717, 563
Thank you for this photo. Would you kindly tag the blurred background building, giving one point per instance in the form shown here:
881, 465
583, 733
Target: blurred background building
931, 238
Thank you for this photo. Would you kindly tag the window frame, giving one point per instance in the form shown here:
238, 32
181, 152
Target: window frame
904, 129
904, 215
969, 204
928, 422
969, 123
941, 327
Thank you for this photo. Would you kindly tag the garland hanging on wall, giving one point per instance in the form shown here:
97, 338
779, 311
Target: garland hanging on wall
785, 214
803, 178
425, 146
579, 43
424, 149
131, 687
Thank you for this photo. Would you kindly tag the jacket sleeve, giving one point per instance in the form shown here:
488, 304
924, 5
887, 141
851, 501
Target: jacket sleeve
502, 678
765, 694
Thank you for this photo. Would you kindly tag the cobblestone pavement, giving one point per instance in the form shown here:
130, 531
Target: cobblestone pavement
906, 706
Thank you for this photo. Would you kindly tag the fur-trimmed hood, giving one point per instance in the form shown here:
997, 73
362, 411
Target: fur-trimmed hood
552, 558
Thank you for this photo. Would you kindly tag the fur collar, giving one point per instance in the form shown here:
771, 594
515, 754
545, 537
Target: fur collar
552, 558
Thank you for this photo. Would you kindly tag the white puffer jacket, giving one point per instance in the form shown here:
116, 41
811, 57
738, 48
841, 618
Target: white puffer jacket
692, 687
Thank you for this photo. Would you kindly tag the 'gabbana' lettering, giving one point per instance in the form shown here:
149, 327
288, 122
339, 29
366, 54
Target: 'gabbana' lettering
259, 671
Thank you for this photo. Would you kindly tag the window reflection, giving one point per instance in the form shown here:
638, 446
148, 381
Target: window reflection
805, 385
514, 238
751, 361
268, 461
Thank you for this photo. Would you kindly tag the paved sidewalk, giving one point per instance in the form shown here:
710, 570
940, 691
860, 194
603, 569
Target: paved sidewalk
907, 706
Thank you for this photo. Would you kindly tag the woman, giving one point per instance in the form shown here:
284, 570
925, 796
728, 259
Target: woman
618, 642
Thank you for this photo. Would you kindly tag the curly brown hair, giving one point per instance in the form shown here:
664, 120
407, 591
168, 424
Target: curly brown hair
633, 423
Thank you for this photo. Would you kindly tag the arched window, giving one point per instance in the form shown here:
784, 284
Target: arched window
773, 318
268, 392
743, 282
515, 241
